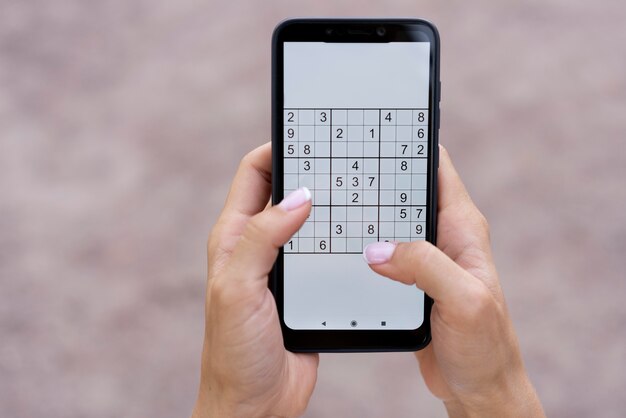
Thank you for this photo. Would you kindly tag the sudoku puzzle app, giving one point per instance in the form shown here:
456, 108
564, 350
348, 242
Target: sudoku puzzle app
366, 169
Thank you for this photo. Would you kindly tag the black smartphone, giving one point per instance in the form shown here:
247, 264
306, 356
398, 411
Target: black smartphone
355, 119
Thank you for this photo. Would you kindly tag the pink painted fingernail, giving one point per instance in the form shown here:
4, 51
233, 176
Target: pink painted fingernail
296, 199
379, 252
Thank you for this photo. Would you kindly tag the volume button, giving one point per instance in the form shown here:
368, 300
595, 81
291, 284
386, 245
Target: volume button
439, 96
439, 108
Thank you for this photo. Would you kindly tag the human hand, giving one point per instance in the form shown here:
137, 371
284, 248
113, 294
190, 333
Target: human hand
473, 363
246, 371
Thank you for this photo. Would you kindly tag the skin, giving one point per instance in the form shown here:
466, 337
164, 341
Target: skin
473, 363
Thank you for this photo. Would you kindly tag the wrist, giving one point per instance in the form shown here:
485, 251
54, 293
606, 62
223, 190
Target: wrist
512, 398
214, 402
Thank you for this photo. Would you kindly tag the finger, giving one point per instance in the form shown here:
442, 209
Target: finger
248, 194
251, 186
456, 208
452, 191
256, 251
424, 265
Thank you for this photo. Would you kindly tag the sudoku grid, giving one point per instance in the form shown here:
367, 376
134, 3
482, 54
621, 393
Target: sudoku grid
366, 170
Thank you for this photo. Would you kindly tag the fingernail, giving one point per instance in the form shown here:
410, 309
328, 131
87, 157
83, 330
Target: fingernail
296, 199
378, 252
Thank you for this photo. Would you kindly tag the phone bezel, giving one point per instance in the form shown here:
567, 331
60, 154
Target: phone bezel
358, 31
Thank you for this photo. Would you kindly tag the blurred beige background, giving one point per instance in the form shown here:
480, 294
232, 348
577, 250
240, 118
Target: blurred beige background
122, 122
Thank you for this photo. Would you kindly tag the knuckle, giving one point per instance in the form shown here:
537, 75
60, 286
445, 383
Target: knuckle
248, 159
421, 251
483, 222
413, 256
224, 291
480, 307
218, 292
258, 230
211, 239
255, 229
215, 239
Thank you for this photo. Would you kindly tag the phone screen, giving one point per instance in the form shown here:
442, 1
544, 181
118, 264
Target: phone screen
356, 129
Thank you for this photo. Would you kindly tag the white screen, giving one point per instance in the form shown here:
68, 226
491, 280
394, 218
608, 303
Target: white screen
356, 134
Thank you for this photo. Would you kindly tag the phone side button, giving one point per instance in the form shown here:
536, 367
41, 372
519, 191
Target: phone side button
438, 117
439, 106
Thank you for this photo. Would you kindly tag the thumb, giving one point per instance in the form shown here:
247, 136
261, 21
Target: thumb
257, 248
424, 265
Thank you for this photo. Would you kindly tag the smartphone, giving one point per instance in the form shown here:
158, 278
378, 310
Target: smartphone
355, 118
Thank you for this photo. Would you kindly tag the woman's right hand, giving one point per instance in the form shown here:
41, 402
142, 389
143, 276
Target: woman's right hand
474, 362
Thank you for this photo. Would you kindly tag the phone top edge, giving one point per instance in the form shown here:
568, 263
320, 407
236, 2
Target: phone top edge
286, 23
307, 20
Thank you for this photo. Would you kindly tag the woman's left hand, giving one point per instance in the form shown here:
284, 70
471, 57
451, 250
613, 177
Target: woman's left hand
246, 371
